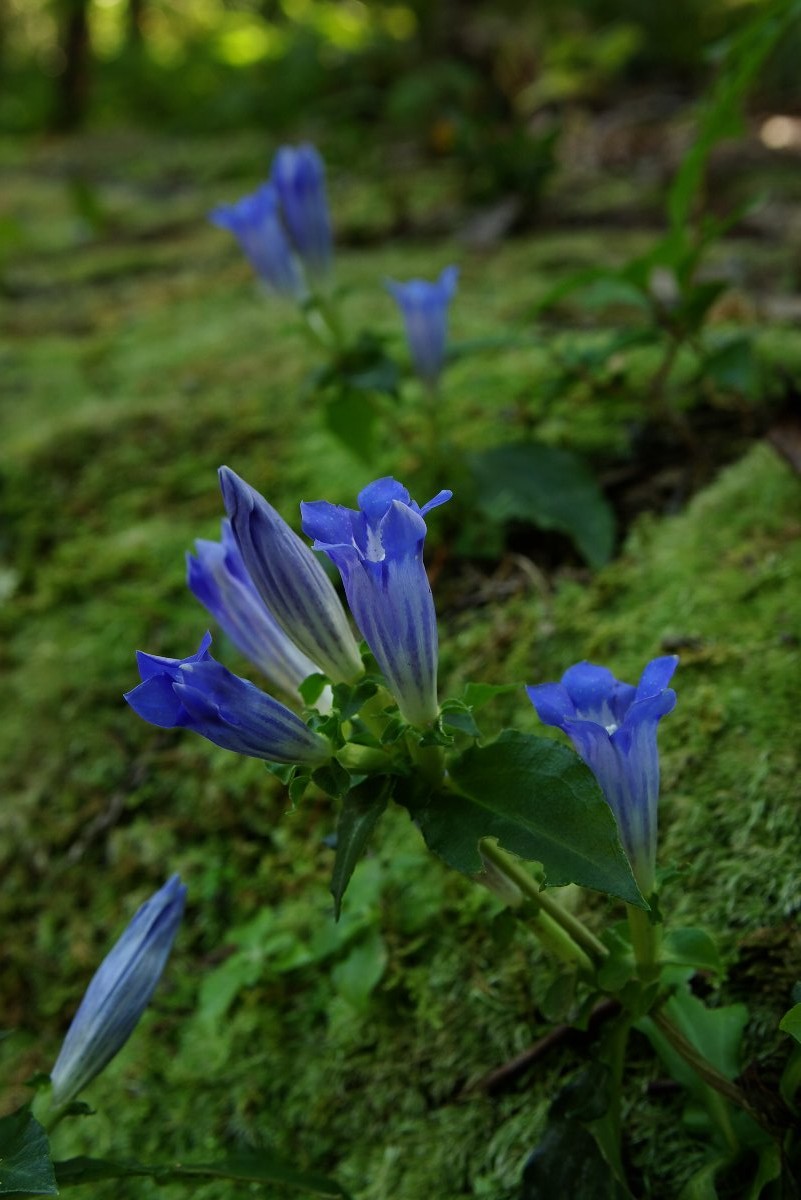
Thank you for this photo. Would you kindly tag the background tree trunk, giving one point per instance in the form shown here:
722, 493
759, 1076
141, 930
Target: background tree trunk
72, 85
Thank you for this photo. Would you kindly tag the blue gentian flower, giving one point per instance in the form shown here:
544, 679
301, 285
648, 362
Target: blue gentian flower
378, 551
424, 307
199, 693
290, 581
119, 992
613, 727
218, 578
298, 174
255, 221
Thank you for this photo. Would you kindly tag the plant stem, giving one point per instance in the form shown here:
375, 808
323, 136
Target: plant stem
608, 1127
429, 759
576, 930
708, 1073
645, 941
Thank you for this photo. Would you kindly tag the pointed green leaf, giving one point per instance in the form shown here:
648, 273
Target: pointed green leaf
691, 948
356, 976
476, 695
791, 1022
351, 417
549, 487
541, 802
243, 1168
361, 810
25, 1166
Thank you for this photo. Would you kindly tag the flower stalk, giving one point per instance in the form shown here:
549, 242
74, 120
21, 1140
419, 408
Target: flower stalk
584, 946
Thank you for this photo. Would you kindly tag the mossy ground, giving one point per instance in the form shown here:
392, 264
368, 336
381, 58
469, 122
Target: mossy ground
139, 358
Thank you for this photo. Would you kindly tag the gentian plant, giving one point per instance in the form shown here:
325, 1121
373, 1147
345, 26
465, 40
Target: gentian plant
119, 992
518, 814
424, 308
115, 999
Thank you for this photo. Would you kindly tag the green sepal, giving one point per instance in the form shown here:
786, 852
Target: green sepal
541, 802
332, 778
349, 698
394, 730
25, 1165
37, 1081
286, 772
244, 1168
457, 715
297, 787
328, 725
313, 687
361, 810
435, 736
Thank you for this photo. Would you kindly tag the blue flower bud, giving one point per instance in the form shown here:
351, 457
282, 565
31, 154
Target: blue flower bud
256, 223
119, 992
199, 693
379, 553
290, 581
298, 175
219, 580
613, 726
424, 307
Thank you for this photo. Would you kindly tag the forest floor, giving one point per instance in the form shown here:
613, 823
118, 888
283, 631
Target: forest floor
137, 356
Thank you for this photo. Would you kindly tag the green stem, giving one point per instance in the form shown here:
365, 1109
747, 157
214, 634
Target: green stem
429, 759
594, 950
608, 1128
330, 317
645, 939
709, 1074
54, 1118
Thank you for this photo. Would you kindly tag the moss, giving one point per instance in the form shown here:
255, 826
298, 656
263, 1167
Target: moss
138, 364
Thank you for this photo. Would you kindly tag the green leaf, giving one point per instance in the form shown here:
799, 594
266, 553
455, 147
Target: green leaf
701, 1186
721, 110
476, 695
619, 967
791, 1022
733, 366
25, 1166
351, 418
691, 948
381, 376
356, 976
791, 1078
244, 1168
361, 811
717, 1034
696, 303
541, 802
568, 1161
549, 487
